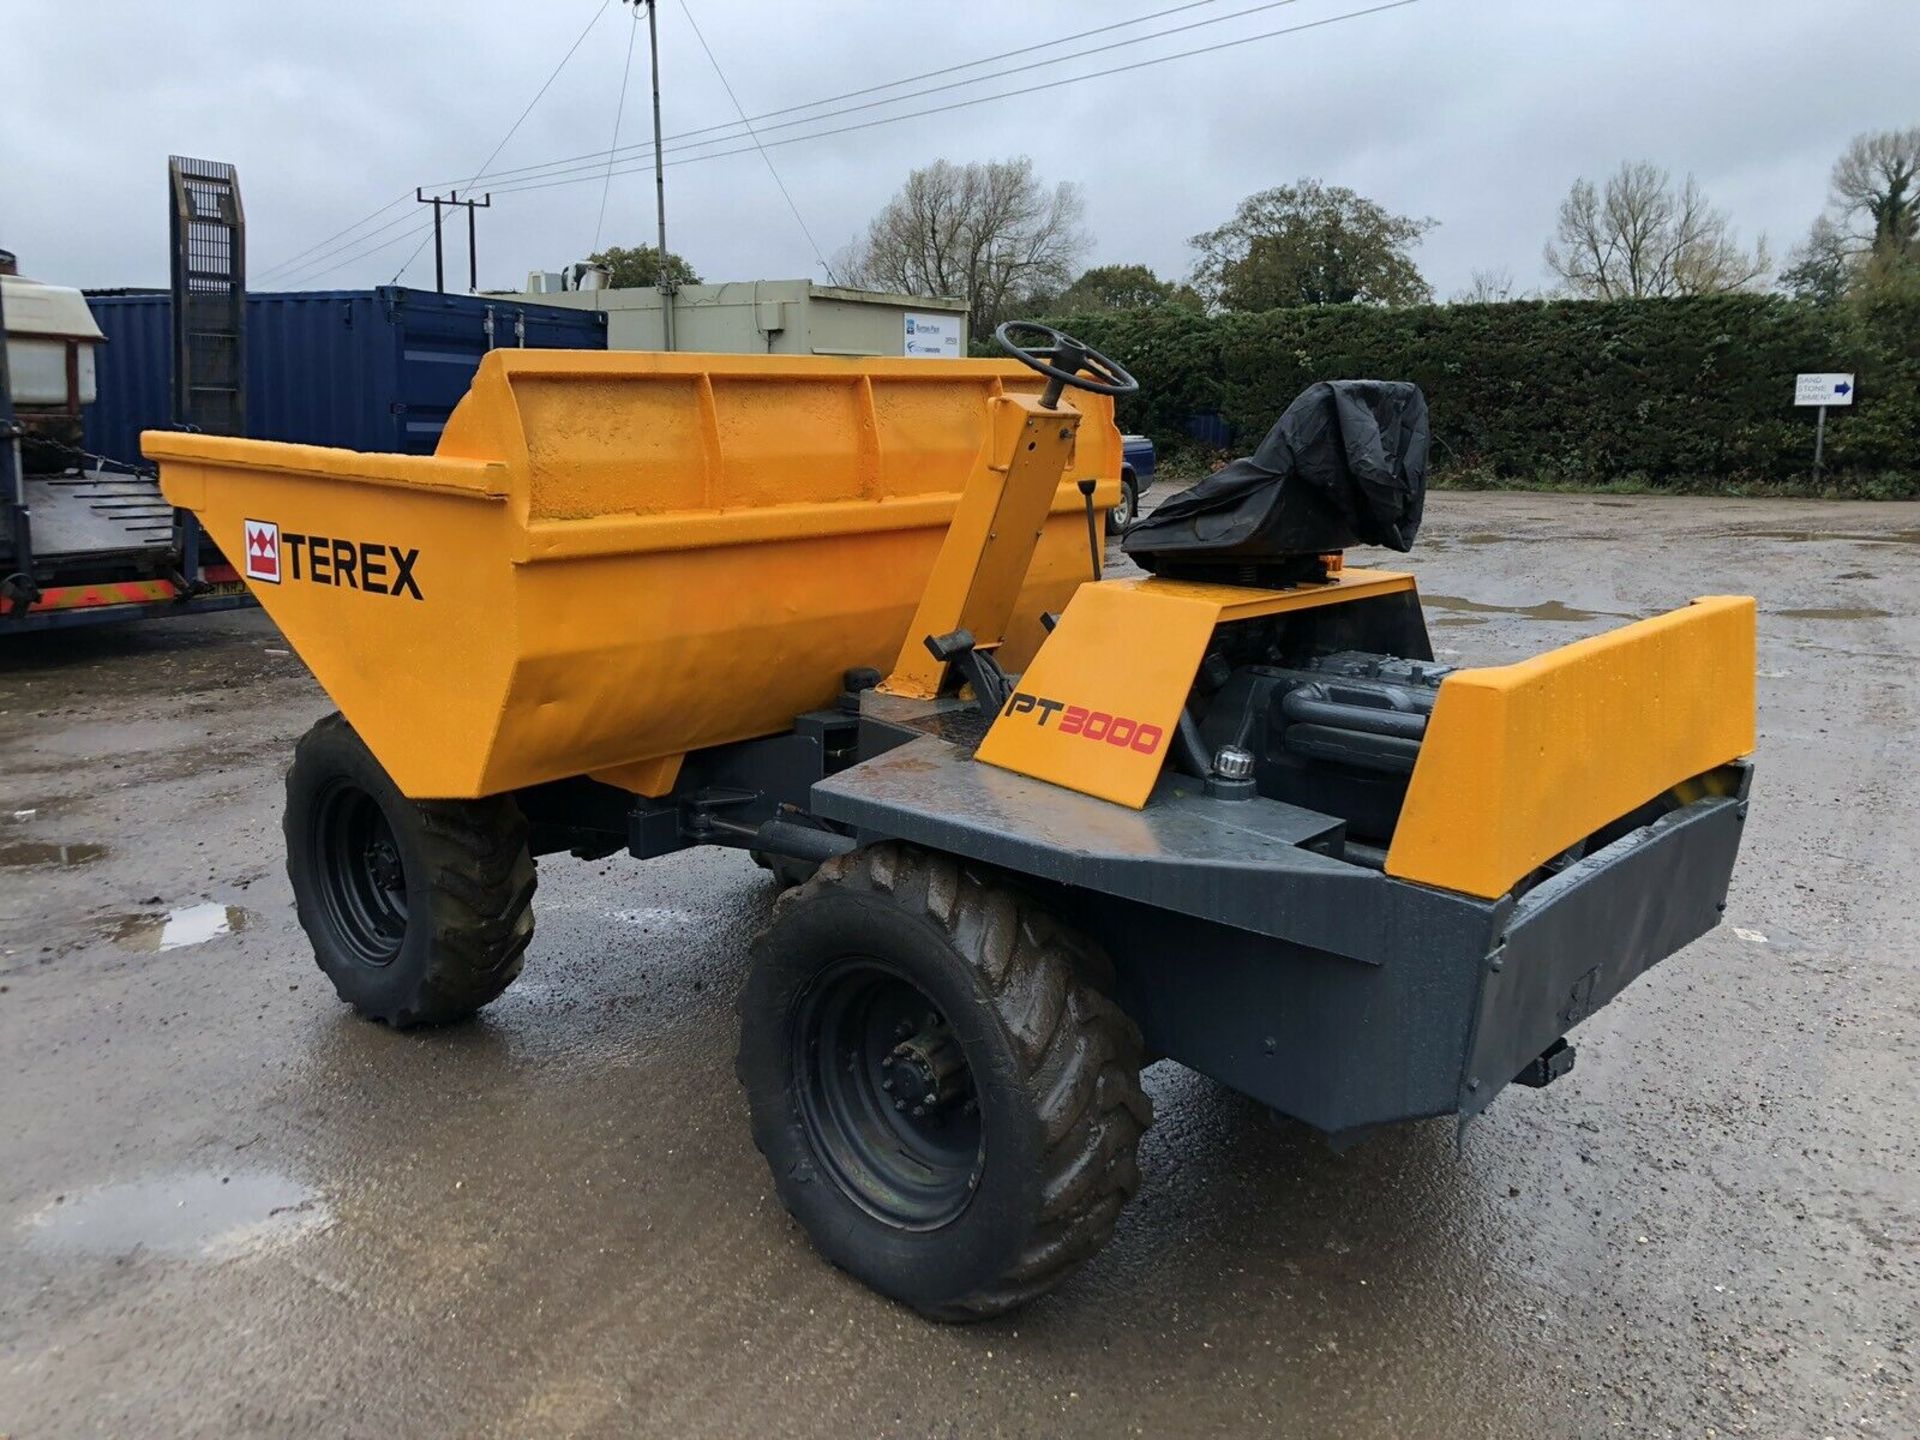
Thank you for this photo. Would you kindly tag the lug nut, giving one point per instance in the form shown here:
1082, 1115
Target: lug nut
887, 1085
899, 1104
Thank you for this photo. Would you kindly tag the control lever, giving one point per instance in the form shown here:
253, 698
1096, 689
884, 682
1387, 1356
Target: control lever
1086, 488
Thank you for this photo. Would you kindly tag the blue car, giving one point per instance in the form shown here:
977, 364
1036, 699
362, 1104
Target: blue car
1136, 477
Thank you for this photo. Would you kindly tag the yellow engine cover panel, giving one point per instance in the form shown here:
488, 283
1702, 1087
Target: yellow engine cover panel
1097, 709
1521, 761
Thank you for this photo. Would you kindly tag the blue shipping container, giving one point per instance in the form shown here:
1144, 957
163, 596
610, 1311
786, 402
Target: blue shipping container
361, 369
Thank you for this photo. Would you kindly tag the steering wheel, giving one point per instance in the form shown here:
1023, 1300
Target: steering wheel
1063, 360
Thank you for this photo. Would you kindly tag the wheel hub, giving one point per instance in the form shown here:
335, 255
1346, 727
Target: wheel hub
886, 1096
363, 881
925, 1073
383, 861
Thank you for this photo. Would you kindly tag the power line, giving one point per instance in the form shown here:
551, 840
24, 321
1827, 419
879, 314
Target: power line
291, 261
422, 228
307, 266
513, 129
811, 242
999, 95
763, 146
596, 156
619, 110
687, 144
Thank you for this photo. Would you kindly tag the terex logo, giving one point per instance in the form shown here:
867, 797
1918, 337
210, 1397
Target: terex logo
357, 564
263, 551
1118, 730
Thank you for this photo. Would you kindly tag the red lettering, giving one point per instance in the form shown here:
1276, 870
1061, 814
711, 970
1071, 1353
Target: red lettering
1121, 731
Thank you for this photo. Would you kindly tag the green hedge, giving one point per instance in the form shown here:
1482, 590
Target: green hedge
1661, 391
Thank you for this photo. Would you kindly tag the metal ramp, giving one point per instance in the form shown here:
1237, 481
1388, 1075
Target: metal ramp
209, 297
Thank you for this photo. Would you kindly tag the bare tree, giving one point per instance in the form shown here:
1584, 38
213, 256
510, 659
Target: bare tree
1822, 267
1874, 191
1640, 236
1490, 286
1871, 231
990, 231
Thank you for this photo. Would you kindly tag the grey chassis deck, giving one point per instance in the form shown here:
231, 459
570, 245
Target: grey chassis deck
1242, 863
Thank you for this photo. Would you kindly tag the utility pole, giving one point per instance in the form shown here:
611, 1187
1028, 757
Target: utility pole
452, 198
659, 177
439, 260
473, 250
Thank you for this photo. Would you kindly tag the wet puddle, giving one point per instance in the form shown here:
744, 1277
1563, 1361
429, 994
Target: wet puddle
1451, 622
188, 925
1858, 537
197, 1215
1839, 612
1546, 610
29, 854
1485, 538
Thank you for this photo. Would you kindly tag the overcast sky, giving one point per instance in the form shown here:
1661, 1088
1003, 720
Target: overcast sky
1478, 113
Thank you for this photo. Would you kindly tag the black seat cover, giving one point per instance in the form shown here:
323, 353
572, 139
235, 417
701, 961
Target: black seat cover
1345, 465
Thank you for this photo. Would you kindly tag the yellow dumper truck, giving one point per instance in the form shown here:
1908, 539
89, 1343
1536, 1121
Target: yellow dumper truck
1040, 828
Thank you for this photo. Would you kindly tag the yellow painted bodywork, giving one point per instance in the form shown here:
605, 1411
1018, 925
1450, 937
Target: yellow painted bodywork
626, 556
983, 562
1128, 650
1521, 761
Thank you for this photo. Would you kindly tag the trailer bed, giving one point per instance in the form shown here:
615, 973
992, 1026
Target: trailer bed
98, 514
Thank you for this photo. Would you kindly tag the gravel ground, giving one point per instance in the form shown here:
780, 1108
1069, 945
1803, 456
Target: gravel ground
227, 1207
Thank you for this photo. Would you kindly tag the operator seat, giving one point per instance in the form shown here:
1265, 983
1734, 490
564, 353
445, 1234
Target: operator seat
1346, 464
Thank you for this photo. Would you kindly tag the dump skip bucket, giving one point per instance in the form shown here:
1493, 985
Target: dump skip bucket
613, 559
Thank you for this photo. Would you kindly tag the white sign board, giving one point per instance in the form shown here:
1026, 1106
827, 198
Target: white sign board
1823, 389
933, 337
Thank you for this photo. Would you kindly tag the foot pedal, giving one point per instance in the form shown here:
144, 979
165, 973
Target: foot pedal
958, 648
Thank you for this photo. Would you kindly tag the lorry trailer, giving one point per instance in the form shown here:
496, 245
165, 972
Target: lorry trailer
83, 538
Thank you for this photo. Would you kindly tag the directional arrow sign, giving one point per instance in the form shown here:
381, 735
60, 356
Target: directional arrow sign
1828, 389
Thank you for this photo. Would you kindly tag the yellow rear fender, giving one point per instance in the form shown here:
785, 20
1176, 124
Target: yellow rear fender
1522, 761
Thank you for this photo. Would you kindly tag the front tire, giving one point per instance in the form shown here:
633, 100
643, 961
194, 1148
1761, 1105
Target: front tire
949, 1104
785, 869
419, 911
1121, 517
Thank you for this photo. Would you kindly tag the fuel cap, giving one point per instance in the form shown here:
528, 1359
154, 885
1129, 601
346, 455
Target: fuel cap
1230, 762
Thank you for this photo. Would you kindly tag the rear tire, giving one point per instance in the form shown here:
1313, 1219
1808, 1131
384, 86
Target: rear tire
419, 911
898, 973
